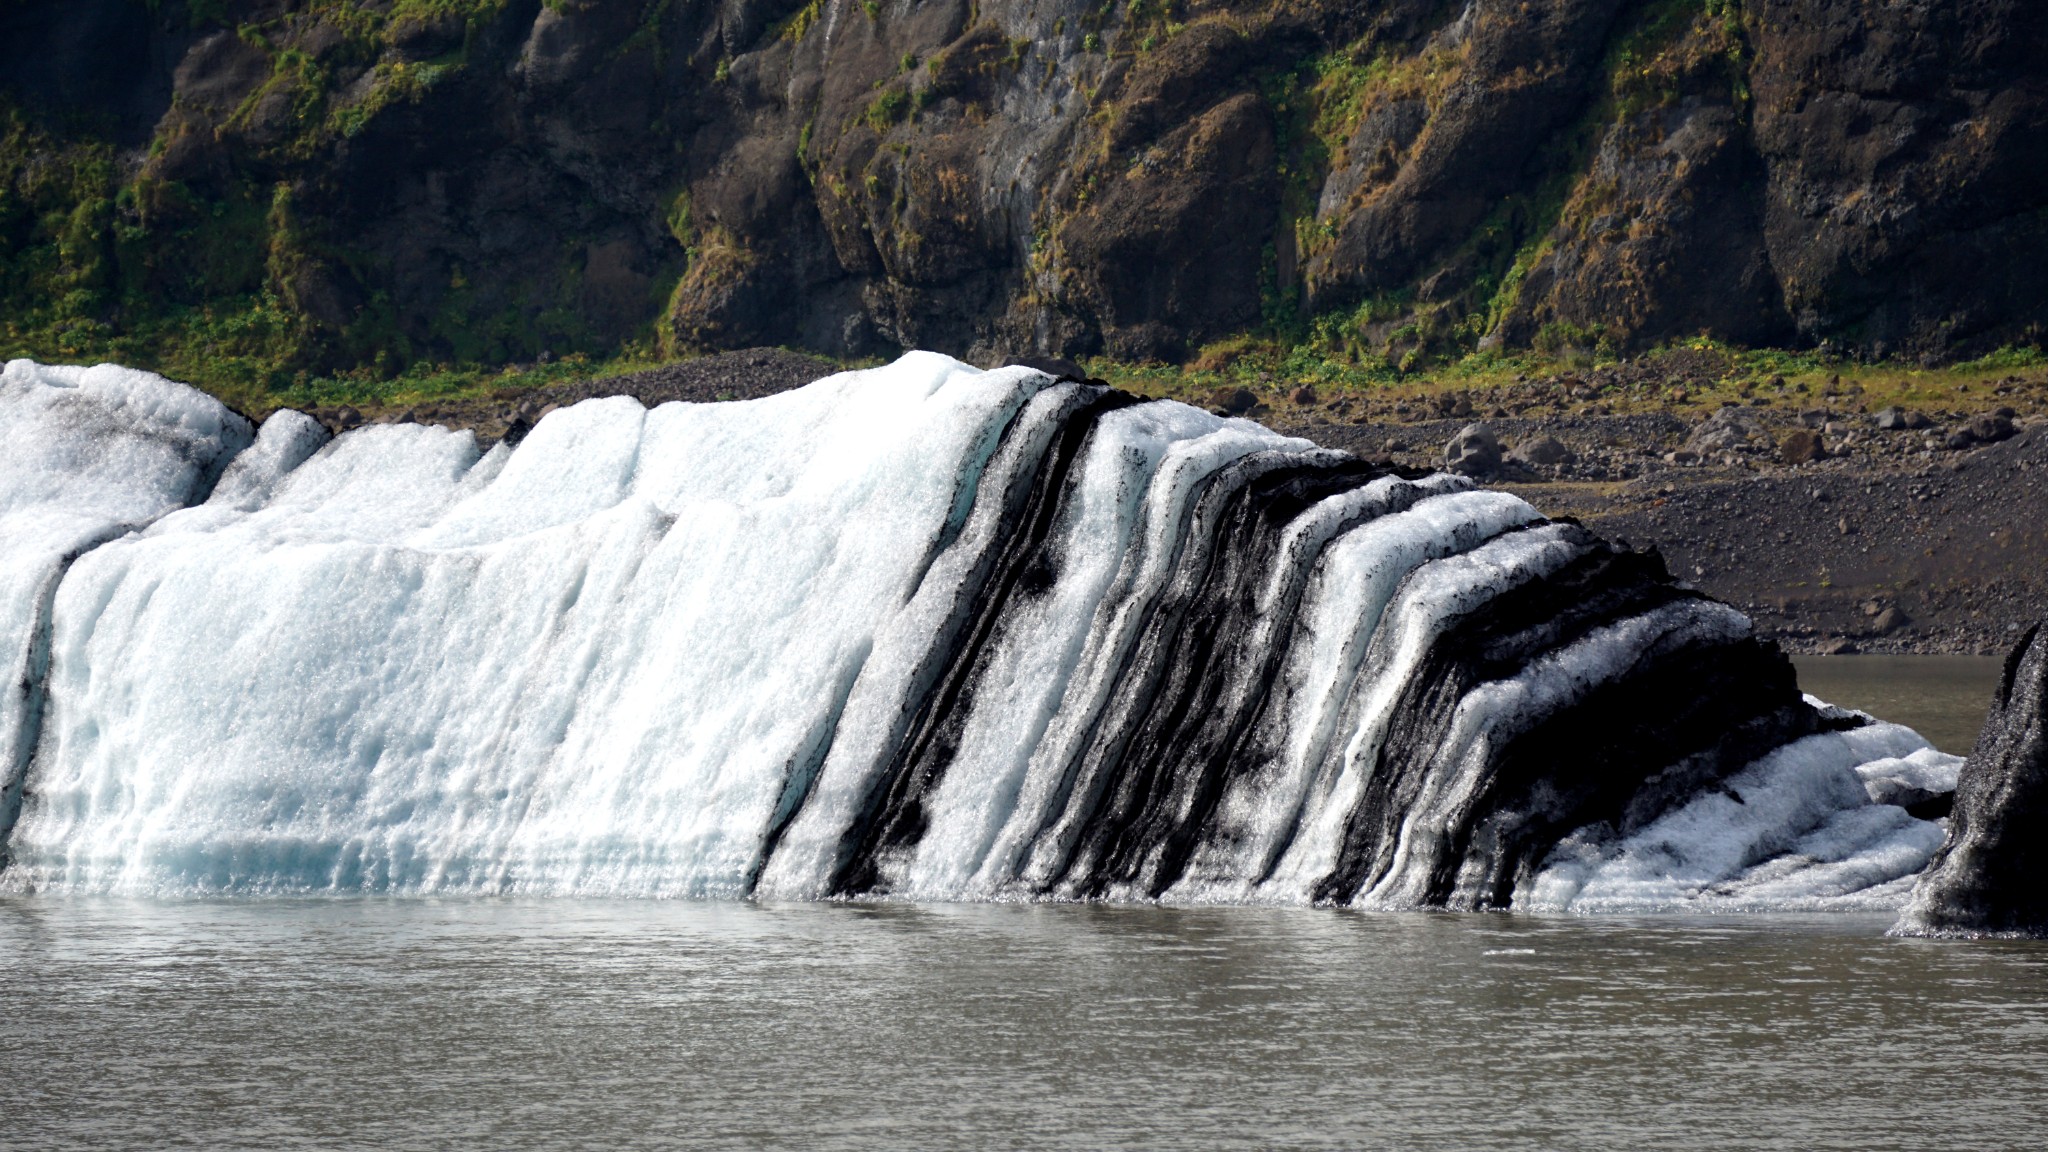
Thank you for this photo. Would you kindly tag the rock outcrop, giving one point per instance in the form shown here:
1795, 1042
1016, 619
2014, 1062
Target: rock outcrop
1991, 876
373, 183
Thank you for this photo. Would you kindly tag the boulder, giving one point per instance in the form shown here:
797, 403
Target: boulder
1897, 419
1802, 447
1474, 451
1990, 878
1543, 450
1726, 430
1991, 427
1235, 401
1057, 367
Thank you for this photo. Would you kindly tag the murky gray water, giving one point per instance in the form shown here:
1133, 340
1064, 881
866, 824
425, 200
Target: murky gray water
554, 1024
1944, 698
422, 1024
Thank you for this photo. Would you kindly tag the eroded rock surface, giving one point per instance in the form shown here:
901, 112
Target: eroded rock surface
1991, 876
497, 178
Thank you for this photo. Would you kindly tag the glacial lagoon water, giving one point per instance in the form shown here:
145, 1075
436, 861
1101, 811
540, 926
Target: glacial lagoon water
517, 1024
1944, 698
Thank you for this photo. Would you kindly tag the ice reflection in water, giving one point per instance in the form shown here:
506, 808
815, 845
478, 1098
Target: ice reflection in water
418, 1023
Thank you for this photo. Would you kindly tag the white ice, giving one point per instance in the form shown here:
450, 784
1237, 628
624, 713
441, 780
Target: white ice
86, 454
590, 665
1795, 830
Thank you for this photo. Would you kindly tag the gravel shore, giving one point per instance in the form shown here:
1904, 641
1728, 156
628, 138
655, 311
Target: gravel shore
1837, 528
1905, 540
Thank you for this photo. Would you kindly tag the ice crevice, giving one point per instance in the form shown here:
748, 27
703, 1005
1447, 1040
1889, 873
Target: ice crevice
918, 631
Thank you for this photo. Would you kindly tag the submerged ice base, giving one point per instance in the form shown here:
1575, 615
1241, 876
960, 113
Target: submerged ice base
920, 631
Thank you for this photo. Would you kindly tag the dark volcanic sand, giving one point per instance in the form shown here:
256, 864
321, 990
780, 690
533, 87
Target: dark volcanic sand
1957, 551
1889, 545
1886, 546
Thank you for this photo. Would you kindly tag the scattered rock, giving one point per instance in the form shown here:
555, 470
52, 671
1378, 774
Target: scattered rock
1057, 367
1726, 430
1235, 401
1959, 439
1991, 428
347, 417
1802, 447
1474, 451
1890, 620
1838, 648
1990, 877
1896, 419
1303, 395
1543, 450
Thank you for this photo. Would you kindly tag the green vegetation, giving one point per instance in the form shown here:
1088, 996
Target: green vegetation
220, 273
1696, 376
889, 106
799, 22
1667, 49
424, 382
202, 264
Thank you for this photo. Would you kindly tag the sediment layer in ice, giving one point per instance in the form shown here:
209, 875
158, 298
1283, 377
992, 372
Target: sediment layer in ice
917, 631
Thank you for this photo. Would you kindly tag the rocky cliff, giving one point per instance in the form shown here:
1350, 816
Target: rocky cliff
362, 183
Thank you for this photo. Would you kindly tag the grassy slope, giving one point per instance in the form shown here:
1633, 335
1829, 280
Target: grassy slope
1274, 372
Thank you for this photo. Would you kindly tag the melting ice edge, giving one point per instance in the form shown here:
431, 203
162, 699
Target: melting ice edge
917, 631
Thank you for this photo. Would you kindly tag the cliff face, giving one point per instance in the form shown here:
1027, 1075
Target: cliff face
482, 179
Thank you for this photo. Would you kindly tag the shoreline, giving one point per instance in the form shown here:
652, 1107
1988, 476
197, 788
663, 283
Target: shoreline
1889, 542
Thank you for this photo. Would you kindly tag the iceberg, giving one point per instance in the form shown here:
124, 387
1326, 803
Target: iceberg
919, 631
